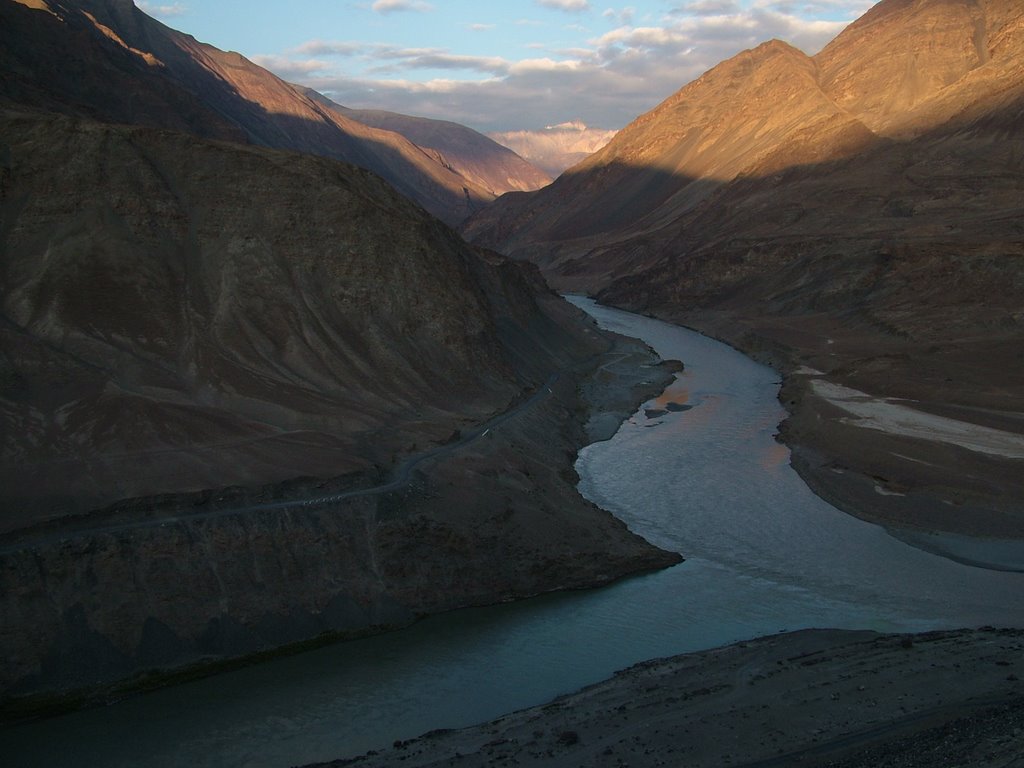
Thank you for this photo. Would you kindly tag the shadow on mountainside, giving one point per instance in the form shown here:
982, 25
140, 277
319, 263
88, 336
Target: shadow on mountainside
110, 62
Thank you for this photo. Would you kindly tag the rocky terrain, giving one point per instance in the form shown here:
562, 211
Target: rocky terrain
814, 698
207, 345
852, 216
107, 60
178, 318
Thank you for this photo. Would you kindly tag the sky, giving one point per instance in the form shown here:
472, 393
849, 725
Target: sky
504, 64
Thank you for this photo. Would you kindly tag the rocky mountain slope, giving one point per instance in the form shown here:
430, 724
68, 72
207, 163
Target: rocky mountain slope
854, 214
474, 156
181, 316
108, 60
218, 359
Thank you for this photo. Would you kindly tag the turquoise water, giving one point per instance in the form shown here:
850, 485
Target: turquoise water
763, 555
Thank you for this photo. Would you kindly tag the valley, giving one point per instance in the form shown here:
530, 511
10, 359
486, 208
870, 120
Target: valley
856, 213
425, 431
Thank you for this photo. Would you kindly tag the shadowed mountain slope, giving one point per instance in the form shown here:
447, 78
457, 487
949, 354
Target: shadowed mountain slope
107, 60
856, 213
204, 346
472, 155
251, 331
251, 397
764, 111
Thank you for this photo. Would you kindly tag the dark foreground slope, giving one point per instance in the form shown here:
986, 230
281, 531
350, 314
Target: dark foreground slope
812, 698
180, 316
855, 216
108, 60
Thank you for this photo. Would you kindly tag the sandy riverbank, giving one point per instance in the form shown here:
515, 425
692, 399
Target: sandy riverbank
923, 440
809, 698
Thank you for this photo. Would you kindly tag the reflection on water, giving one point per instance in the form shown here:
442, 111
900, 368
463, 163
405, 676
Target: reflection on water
763, 555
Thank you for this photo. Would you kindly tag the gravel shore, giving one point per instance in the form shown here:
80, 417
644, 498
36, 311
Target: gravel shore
808, 698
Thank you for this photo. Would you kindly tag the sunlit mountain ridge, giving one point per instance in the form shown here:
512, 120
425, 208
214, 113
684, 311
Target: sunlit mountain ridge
169, 79
856, 213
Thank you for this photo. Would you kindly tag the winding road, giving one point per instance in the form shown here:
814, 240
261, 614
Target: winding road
400, 478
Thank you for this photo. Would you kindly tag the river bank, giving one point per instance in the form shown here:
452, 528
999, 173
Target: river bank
152, 592
697, 471
816, 697
886, 428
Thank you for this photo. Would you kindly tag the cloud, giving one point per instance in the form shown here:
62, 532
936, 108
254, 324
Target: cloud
393, 6
622, 18
480, 27
816, 7
572, 6
291, 69
708, 8
163, 11
324, 48
404, 59
605, 81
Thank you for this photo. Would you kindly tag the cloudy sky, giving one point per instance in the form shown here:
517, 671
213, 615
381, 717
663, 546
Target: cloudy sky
505, 64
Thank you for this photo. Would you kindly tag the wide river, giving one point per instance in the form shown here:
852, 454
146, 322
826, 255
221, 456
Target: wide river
763, 555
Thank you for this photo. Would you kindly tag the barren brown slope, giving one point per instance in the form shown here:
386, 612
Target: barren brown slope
668, 161
200, 289
472, 155
181, 316
223, 95
892, 262
892, 65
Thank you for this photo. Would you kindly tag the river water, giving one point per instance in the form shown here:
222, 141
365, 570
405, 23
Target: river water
706, 479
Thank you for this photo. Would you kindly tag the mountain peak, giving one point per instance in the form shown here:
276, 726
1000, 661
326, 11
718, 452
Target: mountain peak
902, 54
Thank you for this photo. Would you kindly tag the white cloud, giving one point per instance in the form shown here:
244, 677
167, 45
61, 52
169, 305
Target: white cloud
480, 27
291, 69
163, 11
392, 6
623, 17
399, 59
606, 81
573, 6
708, 8
325, 48
847, 8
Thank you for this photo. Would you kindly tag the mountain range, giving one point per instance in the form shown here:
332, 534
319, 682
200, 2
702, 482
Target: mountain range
474, 156
252, 395
233, 312
107, 60
856, 213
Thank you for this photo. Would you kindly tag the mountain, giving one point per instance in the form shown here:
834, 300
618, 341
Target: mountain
556, 147
855, 213
470, 154
107, 60
250, 397
188, 334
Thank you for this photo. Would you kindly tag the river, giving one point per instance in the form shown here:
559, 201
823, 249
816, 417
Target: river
706, 478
